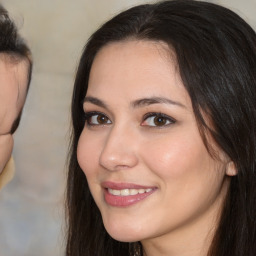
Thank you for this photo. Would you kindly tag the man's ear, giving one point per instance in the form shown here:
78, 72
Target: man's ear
231, 169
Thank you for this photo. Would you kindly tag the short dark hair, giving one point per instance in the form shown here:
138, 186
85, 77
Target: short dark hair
14, 47
216, 56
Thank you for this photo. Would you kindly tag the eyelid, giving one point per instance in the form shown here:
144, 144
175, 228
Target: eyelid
159, 114
89, 114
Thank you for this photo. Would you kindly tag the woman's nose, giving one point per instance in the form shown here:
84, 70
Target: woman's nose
120, 150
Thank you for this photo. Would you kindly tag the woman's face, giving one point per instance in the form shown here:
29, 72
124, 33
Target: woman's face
146, 165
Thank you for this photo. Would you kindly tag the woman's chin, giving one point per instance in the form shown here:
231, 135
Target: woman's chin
123, 233
123, 237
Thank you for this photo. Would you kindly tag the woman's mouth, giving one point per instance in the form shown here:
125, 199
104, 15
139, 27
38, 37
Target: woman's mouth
128, 192
123, 195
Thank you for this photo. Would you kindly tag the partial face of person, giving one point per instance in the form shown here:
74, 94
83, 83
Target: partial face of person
146, 164
13, 90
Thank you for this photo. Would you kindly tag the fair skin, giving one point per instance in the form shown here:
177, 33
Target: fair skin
146, 164
13, 90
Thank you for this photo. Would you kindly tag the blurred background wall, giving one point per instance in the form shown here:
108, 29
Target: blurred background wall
31, 206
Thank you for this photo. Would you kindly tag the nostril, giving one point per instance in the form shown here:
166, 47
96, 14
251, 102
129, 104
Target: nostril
115, 161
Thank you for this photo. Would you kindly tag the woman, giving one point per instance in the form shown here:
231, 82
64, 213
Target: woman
162, 158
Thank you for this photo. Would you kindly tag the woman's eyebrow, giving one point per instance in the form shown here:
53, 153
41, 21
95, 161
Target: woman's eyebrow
155, 100
137, 103
95, 101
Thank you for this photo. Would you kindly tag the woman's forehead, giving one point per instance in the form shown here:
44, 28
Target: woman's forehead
133, 59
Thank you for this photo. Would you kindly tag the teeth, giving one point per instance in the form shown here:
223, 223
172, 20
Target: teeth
133, 192
114, 192
125, 192
128, 192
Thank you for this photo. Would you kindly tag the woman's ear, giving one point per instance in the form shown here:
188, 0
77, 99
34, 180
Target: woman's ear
231, 169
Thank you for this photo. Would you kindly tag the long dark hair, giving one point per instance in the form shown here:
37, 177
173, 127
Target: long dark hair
216, 56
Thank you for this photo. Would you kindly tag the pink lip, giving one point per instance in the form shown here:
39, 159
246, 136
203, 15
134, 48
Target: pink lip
124, 201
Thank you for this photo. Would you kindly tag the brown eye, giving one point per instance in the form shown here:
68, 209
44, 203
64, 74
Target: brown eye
157, 120
160, 121
101, 119
97, 119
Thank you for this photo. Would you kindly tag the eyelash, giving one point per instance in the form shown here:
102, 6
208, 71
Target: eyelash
155, 115
167, 119
89, 115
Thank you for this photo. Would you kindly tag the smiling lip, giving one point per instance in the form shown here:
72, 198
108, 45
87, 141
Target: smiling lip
125, 194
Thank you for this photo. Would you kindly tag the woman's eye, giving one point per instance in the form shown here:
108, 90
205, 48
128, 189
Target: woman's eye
97, 119
157, 120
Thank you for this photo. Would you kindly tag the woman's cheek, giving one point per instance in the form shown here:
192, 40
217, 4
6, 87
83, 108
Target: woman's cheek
83, 153
175, 155
88, 152
164, 156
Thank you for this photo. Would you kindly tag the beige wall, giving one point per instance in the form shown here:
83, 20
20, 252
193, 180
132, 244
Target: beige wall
31, 205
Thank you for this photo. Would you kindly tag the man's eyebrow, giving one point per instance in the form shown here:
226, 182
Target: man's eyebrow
155, 100
95, 101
